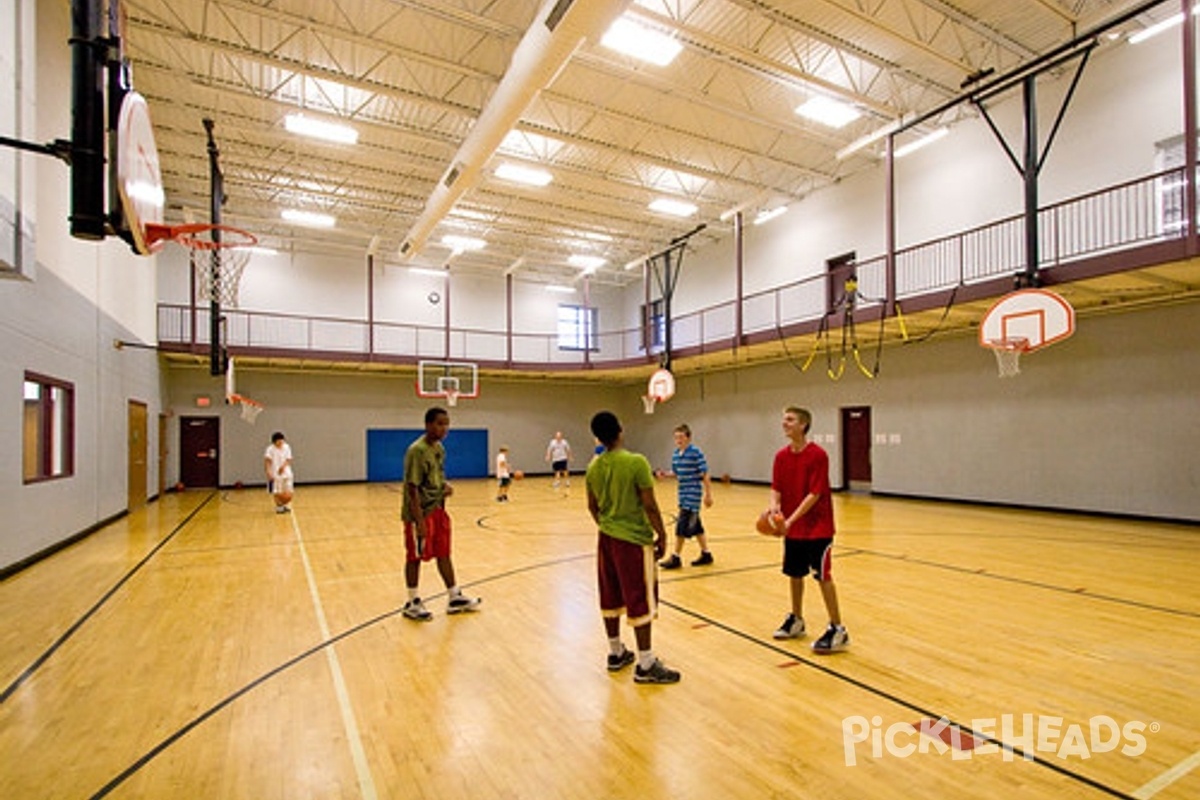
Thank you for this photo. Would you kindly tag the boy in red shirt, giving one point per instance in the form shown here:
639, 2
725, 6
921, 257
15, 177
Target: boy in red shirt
800, 492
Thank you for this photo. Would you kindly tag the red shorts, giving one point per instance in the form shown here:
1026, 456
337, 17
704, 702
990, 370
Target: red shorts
628, 580
437, 537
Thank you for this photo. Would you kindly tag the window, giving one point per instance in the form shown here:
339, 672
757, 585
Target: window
654, 326
577, 327
48, 429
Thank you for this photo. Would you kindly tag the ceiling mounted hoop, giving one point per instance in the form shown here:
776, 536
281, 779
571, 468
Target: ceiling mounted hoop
250, 408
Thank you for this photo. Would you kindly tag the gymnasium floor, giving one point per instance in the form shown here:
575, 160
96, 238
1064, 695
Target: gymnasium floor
204, 646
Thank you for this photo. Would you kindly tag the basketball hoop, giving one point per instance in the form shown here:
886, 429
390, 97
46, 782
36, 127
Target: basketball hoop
1008, 354
649, 400
451, 398
250, 408
218, 254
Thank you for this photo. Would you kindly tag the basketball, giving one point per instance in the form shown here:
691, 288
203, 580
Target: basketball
770, 524
518, 475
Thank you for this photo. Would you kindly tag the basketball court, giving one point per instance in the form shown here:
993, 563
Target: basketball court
192, 643
206, 643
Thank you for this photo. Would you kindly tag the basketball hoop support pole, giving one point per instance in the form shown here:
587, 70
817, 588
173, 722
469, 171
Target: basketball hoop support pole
216, 354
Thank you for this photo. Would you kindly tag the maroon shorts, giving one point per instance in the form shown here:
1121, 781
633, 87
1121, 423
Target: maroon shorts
437, 537
628, 580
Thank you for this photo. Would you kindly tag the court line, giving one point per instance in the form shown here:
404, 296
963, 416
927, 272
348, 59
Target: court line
878, 692
1165, 779
1027, 582
366, 781
229, 699
71, 631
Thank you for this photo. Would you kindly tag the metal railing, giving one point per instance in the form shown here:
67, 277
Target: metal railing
1122, 217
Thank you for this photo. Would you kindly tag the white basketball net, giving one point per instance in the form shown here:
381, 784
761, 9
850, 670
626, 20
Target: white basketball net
1008, 355
649, 400
219, 272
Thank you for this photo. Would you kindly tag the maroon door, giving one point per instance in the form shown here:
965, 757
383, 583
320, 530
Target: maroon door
856, 447
199, 458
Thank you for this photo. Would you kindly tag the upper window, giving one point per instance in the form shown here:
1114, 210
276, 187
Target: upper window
654, 326
577, 328
48, 429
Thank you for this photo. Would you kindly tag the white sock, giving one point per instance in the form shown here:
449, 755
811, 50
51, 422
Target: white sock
645, 659
414, 593
454, 591
616, 646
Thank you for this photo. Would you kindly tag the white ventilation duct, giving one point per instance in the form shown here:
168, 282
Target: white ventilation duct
559, 28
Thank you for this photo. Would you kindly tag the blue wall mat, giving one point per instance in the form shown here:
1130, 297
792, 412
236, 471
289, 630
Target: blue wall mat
466, 452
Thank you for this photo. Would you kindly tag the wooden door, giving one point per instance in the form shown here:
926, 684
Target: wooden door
199, 457
162, 454
856, 447
137, 460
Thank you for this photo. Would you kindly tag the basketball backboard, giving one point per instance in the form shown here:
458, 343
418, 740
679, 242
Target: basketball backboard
1038, 316
139, 181
447, 380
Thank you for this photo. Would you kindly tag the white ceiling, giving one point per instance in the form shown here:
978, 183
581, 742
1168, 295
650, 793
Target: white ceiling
716, 127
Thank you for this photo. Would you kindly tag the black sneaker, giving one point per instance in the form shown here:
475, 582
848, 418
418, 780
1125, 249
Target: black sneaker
616, 663
704, 560
832, 640
673, 562
658, 673
792, 628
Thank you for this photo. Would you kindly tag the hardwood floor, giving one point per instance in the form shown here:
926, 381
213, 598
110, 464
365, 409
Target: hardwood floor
207, 647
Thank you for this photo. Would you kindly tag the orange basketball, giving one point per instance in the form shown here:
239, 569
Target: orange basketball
518, 475
770, 524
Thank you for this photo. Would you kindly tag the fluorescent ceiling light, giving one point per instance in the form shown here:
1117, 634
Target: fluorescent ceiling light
318, 129
309, 218
929, 138
262, 251
554, 287
1157, 28
676, 208
767, 216
866, 141
828, 111
433, 273
634, 39
469, 213
587, 263
460, 244
529, 176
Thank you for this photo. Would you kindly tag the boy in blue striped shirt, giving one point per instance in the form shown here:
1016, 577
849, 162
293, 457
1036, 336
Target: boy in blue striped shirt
691, 471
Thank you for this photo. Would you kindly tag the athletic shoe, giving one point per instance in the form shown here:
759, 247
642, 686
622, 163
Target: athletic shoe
458, 605
792, 628
414, 609
658, 673
671, 563
834, 639
618, 663
704, 560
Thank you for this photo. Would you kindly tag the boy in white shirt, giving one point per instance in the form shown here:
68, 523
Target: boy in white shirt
278, 463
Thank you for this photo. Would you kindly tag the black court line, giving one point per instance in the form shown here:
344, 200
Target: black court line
229, 699
984, 573
878, 692
61, 640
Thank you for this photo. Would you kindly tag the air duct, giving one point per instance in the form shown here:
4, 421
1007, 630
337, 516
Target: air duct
560, 26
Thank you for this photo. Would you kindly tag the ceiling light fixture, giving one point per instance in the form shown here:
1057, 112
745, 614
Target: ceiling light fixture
767, 216
319, 129
634, 39
866, 141
928, 138
554, 287
312, 219
828, 111
1157, 28
587, 263
461, 244
429, 271
676, 208
530, 176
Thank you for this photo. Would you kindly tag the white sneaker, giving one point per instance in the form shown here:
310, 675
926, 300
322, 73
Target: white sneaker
414, 609
792, 628
833, 640
458, 605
